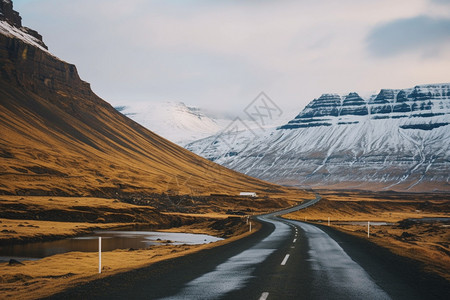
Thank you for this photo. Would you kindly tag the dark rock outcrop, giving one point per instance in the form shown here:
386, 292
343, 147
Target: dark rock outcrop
12, 17
8, 14
14, 262
354, 105
388, 104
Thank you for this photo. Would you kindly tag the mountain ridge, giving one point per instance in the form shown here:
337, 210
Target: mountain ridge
387, 103
397, 139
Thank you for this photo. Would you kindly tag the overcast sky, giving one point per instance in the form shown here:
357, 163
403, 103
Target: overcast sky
221, 54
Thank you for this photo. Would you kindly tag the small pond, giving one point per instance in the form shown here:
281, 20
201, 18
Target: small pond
111, 240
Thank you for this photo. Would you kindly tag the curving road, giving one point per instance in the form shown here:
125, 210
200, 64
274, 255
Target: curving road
284, 260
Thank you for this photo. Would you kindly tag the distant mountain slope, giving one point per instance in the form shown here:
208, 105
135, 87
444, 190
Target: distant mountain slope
184, 124
174, 121
398, 139
58, 138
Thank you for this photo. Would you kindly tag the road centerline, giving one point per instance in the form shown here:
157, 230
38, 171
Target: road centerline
264, 296
285, 259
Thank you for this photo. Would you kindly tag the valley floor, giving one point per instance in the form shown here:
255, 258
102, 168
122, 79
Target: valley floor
25, 219
28, 219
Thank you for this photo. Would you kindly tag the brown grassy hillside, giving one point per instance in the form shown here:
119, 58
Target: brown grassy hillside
58, 138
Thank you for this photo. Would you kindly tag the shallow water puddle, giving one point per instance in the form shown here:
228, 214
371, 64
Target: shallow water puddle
111, 240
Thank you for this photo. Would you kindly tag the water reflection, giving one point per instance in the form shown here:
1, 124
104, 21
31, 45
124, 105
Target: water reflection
111, 240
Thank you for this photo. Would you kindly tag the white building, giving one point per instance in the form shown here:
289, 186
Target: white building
248, 194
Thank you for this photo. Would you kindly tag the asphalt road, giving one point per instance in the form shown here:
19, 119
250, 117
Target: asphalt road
284, 260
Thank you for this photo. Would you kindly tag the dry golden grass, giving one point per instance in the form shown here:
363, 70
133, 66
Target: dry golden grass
63, 203
212, 215
428, 243
100, 210
353, 206
36, 279
31, 218
232, 205
78, 215
32, 230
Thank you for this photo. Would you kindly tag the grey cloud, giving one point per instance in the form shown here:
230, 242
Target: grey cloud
446, 2
421, 33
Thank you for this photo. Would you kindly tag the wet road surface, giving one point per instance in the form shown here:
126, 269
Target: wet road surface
284, 260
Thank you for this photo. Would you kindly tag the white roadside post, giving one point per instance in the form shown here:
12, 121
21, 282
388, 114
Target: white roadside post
250, 226
368, 228
328, 221
99, 254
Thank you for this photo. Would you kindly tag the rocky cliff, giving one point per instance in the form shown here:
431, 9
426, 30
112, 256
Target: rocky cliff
420, 102
8, 14
11, 22
396, 140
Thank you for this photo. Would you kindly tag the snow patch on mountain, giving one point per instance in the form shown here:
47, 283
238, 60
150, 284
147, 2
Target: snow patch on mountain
173, 120
12, 31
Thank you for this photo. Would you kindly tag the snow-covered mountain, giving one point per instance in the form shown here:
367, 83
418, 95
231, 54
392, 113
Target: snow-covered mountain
173, 120
395, 140
184, 124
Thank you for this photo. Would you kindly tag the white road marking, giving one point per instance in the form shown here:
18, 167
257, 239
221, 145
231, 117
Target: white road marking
264, 296
234, 273
285, 260
294, 240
